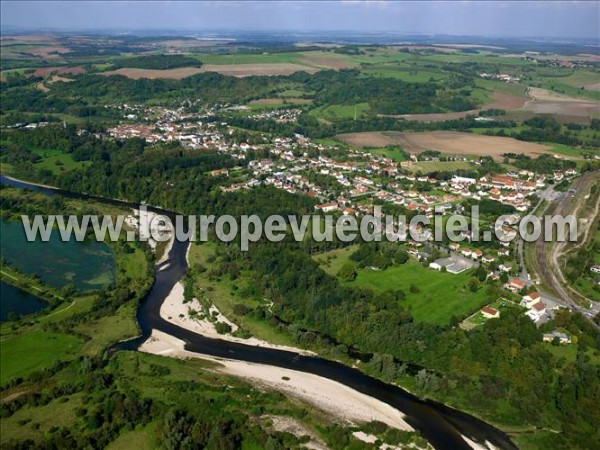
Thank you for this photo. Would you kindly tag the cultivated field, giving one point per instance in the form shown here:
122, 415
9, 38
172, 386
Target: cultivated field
45, 71
280, 101
545, 101
171, 74
236, 70
501, 100
329, 61
244, 70
593, 87
446, 142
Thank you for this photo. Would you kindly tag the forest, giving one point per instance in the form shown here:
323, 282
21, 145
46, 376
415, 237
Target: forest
157, 62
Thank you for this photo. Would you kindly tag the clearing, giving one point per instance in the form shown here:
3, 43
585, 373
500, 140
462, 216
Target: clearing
45, 71
435, 297
545, 101
501, 100
236, 70
450, 142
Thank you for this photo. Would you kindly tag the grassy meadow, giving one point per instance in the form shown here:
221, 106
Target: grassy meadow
440, 296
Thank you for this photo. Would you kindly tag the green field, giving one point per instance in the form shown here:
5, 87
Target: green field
57, 161
404, 73
441, 296
358, 110
437, 166
395, 154
141, 438
24, 354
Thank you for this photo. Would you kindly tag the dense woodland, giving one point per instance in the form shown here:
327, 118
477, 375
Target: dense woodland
157, 62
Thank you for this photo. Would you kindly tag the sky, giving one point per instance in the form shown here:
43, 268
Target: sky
555, 19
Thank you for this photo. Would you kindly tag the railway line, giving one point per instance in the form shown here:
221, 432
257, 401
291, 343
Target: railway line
546, 272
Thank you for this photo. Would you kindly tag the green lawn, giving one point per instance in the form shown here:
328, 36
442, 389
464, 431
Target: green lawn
109, 329
441, 295
24, 423
21, 355
395, 154
57, 161
141, 438
436, 166
341, 111
404, 73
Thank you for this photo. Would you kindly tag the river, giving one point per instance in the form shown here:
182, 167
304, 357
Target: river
440, 425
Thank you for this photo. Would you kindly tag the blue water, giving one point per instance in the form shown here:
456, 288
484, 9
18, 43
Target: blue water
86, 265
18, 301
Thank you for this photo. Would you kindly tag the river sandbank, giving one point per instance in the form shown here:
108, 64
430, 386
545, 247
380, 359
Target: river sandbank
329, 396
175, 311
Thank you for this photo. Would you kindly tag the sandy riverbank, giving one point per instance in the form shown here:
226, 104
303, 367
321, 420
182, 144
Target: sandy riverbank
175, 311
330, 396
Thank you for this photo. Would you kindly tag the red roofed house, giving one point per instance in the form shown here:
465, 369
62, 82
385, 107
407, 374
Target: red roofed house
530, 299
327, 207
515, 284
490, 313
537, 311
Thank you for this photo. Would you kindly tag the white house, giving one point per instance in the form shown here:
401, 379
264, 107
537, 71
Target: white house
504, 268
537, 311
435, 266
530, 299
562, 337
327, 207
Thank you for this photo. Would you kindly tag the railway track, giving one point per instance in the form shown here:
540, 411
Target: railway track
545, 269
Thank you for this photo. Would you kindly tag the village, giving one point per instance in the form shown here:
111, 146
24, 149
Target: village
352, 183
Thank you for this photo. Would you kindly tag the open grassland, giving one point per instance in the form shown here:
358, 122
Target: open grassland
31, 423
544, 101
449, 142
327, 60
394, 153
140, 438
21, 355
279, 102
440, 296
440, 166
404, 73
45, 71
57, 161
358, 110
236, 70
